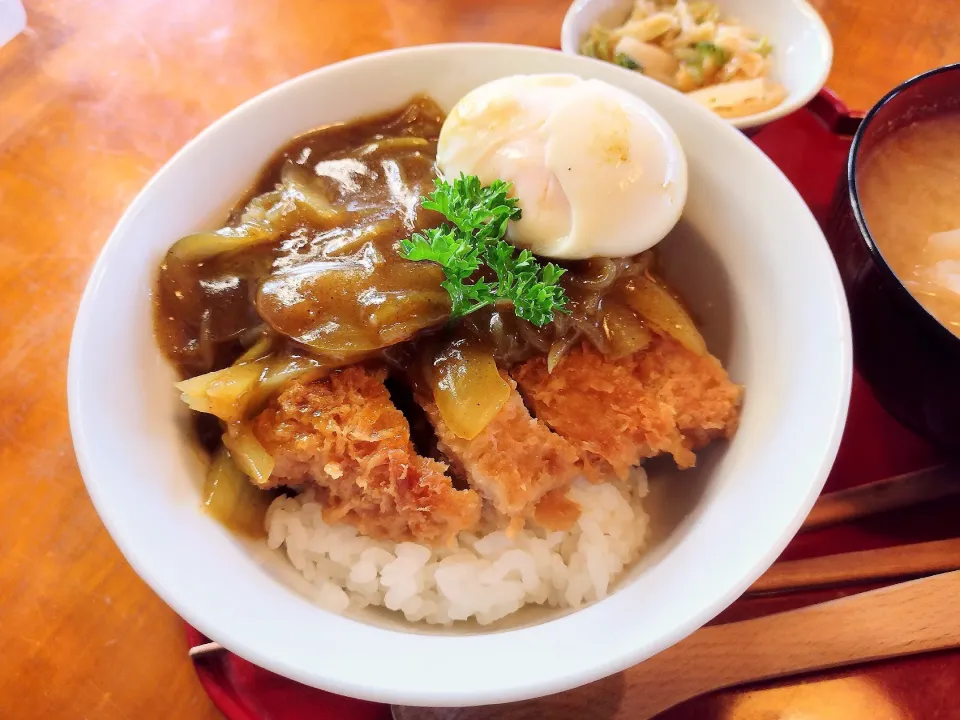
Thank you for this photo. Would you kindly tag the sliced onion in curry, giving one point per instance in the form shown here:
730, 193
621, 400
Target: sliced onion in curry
278, 371
625, 332
201, 246
467, 387
223, 393
260, 349
300, 186
349, 306
249, 455
654, 303
230, 497
234, 393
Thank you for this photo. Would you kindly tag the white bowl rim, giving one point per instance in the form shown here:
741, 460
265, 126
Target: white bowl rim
569, 43
481, 694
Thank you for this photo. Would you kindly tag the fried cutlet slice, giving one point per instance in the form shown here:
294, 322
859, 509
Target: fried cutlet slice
345, 436
556, 511
664, 398
513, 462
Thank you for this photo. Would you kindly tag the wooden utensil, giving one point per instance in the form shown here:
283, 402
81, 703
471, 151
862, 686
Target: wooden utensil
903, 619
901, 491
899, 562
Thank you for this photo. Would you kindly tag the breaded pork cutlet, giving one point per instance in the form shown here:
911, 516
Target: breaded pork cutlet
514, 461
664, 398
343, 435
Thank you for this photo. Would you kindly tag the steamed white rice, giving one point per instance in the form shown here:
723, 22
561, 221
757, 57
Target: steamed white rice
485, 578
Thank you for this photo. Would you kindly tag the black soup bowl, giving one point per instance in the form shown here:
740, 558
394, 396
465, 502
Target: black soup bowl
911, 360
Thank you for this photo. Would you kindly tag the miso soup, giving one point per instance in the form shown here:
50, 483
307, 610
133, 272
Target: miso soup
909, 188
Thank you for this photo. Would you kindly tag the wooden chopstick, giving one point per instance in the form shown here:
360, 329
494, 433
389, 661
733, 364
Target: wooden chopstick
208, 648
891, 563
865, 566
897, 492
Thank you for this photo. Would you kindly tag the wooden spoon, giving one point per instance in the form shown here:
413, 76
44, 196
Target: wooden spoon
903, 619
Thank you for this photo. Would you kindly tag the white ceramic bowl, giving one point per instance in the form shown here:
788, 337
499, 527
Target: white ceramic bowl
748, 256
802, 48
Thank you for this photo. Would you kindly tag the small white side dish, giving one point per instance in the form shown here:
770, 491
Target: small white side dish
748, 257
802, 48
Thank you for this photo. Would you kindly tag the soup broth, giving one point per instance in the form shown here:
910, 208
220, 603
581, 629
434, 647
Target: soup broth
909, 190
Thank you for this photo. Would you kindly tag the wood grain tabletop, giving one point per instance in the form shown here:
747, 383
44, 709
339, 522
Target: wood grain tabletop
94, 97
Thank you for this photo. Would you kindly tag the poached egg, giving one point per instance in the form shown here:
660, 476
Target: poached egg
597, 172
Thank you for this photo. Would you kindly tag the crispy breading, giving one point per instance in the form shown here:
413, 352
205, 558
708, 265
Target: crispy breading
556, 511
664, 398
344, 435
514, 461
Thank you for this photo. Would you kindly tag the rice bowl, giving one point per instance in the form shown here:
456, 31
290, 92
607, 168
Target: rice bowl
769, 253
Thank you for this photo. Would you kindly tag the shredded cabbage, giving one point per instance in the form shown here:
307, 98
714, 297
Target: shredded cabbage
690, 46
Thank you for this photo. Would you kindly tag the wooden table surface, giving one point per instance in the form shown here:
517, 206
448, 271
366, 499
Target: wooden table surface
94, 97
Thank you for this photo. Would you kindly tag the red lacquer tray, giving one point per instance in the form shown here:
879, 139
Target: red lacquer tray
811, 147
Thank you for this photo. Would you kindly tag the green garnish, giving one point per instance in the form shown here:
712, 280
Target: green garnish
708, 49
624, 60
694, 59
480, 215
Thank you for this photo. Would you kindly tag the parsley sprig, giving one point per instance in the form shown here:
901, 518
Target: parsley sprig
479, 215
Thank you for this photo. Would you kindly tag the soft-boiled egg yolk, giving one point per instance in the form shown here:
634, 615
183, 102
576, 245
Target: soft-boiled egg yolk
596, 170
